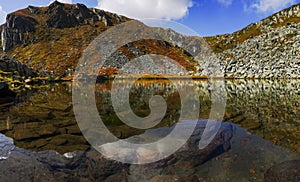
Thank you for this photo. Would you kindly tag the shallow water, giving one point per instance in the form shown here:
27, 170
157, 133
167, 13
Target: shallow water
42, 119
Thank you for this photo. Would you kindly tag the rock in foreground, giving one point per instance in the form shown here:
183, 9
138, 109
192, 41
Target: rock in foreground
24, 165
288, 171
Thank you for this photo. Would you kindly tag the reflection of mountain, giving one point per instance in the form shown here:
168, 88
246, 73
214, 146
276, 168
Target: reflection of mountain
46, 120
267, 108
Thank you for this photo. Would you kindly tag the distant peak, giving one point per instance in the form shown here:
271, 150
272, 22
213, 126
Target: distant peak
79, 5
56, 3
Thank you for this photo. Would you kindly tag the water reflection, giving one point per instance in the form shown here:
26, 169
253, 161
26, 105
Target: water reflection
267, 108
42, 119
45, 120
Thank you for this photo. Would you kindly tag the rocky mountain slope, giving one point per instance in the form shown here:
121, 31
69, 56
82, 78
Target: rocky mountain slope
266, 49
52, 39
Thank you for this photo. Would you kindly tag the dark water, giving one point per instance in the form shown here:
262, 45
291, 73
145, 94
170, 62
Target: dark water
262, 130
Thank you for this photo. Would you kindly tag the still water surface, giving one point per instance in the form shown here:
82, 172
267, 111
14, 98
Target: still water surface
261, 126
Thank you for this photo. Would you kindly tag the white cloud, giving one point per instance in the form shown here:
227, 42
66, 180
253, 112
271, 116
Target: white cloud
225, 2
2, 16
169, 9
271, 5
66, 1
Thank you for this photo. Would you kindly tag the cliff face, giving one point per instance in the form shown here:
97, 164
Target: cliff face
13, 30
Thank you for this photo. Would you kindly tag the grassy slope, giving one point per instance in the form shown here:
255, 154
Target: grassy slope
54, 49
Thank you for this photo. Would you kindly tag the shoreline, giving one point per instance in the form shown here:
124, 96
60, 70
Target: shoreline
100, 78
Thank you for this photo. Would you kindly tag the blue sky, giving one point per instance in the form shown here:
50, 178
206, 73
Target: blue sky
206, 17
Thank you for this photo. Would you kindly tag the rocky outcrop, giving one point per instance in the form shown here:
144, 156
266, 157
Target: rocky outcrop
62, 16
62, 20
12, 32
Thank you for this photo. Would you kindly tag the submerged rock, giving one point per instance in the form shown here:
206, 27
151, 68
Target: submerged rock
189, 163
6, 146
92, 165
287, 171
